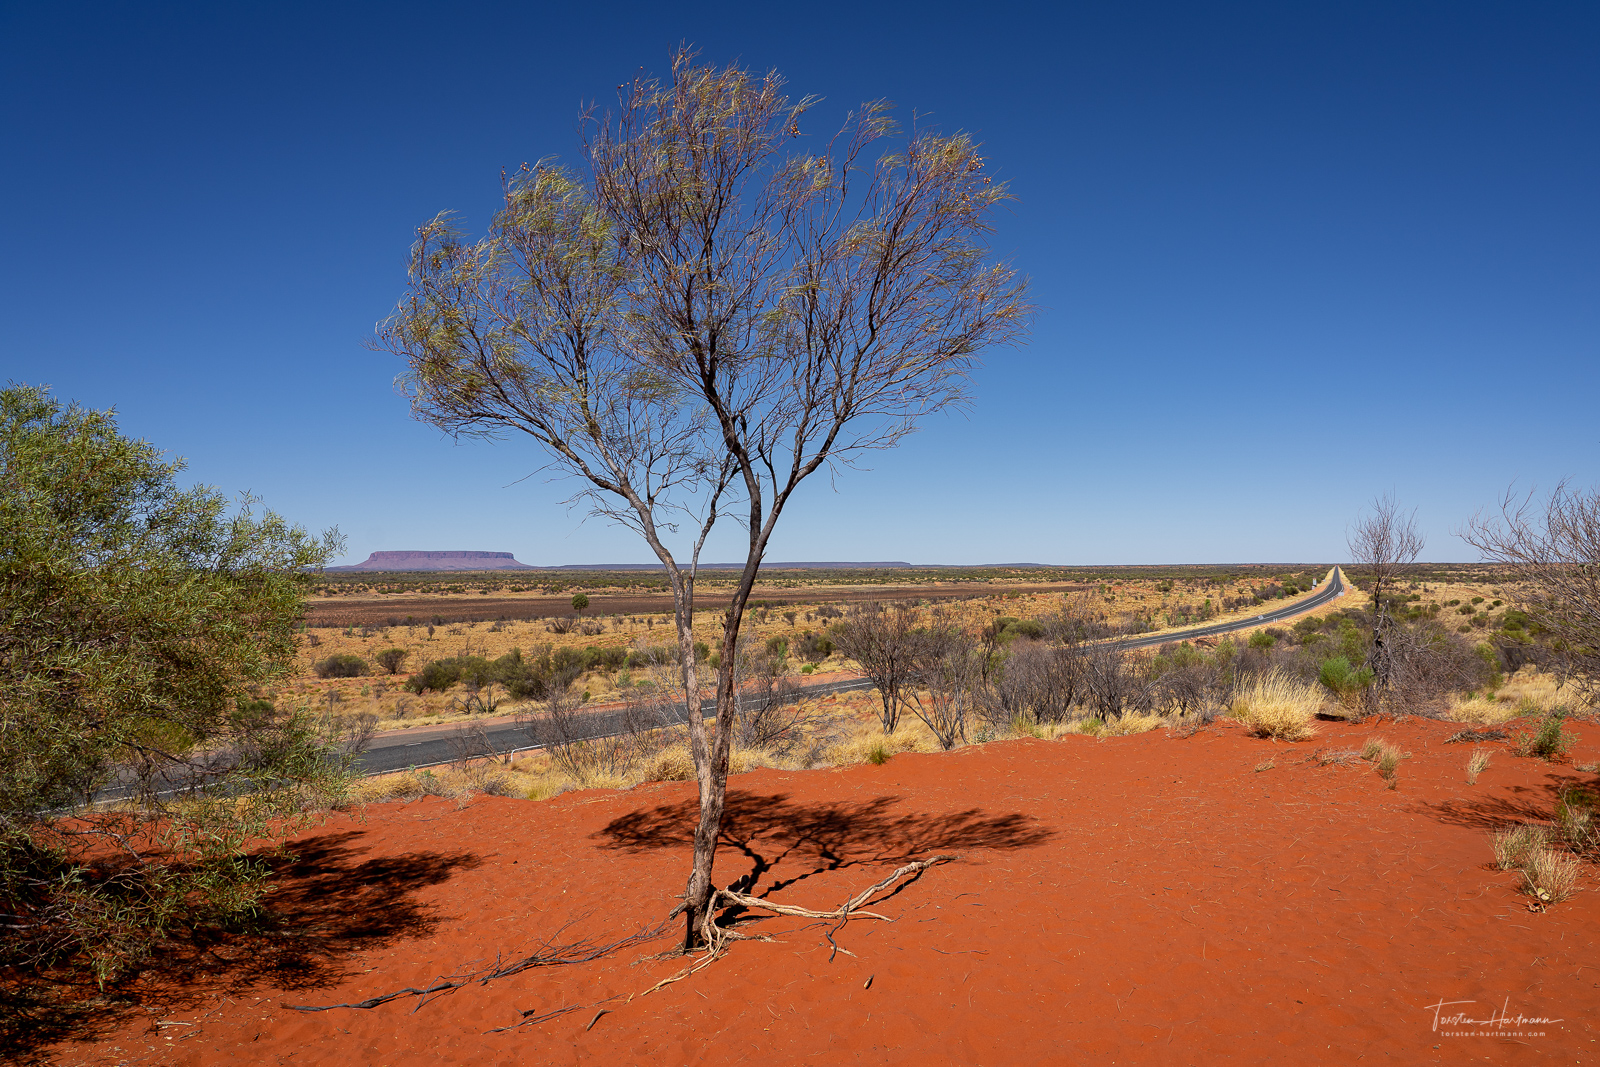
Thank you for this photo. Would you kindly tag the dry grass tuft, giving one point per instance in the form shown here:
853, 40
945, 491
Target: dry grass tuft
1477, 763
1278, 707
1515, 843
1530, 690
1131, 723
1481, 709
1266, 765
1385, 758
1550, 874
1575, 819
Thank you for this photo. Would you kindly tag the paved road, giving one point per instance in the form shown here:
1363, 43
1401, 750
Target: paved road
1330, 590
398, 751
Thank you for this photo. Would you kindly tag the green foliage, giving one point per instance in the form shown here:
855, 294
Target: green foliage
342, 665
141, 623
1548, 740
814, 647
580, 602
1029, 628
391, 659
1342, 679
1262, 640
1491, 660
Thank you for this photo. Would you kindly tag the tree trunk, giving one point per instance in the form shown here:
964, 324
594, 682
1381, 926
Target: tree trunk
712, 770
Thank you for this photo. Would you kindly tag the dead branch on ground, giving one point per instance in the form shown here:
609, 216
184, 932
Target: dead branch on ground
716, 939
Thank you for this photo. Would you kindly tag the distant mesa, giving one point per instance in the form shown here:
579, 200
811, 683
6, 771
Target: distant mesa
438, 561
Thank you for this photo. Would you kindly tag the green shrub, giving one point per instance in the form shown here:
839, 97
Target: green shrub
1342, 679
341, 665
1548, 741
1029, 628
1262, 640
391, 659
815, 648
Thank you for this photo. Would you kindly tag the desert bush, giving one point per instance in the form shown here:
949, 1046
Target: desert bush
879, 754
1344, 681
1277, 707
1547, 740
1114, 682
814, 647
949, 668
391, 659
883, 642
341, 665
1513, 844
1032, 681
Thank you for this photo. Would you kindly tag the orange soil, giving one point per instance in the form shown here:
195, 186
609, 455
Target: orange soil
1136, 900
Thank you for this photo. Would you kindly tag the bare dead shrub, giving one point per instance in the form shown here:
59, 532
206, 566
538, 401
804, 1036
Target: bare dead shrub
949, 669
767, 714
1555, 553
883, 642
564, 732
468, 742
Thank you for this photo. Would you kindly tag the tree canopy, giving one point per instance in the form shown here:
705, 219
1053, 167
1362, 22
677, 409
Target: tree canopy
704, 313
142, 623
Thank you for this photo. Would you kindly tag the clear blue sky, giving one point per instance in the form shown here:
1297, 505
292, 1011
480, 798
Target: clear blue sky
1289, 255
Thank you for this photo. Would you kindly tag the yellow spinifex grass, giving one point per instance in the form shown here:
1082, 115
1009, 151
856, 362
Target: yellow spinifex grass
1277, 706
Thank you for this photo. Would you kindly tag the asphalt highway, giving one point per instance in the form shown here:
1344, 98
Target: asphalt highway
402, 749
1331, 590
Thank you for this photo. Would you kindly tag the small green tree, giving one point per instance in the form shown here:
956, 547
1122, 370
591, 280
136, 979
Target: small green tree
141, 623
580, 602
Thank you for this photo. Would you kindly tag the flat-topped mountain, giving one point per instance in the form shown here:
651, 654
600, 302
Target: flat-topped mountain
438, 561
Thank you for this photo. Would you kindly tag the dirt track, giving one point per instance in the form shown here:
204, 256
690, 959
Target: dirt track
392, 611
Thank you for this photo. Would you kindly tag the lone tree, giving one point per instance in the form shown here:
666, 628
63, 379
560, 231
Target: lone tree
580, 602
140, 623
1384, 543
1554, 552
701, 316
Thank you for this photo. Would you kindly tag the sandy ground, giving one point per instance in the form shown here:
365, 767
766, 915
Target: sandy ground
1140, 900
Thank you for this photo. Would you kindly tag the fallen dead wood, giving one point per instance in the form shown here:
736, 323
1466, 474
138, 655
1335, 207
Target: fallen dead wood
717, 938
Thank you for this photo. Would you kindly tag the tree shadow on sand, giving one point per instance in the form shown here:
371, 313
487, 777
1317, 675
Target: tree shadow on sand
832, 835
1511, 805
329, 905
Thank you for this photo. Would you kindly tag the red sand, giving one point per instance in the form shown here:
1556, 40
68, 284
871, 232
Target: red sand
1137, 900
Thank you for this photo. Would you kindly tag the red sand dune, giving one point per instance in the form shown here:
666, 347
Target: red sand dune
1139, 900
